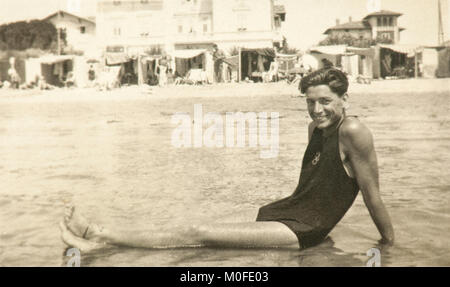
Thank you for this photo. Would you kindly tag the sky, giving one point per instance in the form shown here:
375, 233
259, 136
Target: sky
306, 20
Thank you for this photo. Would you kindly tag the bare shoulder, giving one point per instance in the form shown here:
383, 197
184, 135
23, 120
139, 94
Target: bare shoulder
355, 135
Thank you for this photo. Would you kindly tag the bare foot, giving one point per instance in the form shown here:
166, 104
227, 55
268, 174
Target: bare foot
82, 244
79, 225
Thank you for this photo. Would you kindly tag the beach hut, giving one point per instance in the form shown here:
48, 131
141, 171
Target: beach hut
429, 62
19, 66
360, 62
331, 53
443, 70
147, 69
287, 63
128, 66
255, 62
53, 68
398, 61
194, 60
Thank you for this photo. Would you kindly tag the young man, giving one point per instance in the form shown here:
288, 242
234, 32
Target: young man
339, 161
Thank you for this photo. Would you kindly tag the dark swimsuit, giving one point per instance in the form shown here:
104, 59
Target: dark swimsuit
324, 194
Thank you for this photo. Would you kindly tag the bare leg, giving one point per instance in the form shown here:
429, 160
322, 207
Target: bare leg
82, 244
245, 234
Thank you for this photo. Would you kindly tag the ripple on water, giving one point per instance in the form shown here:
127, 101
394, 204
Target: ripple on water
144, 179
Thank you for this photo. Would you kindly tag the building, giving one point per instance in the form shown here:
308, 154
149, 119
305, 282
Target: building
378, 25
80, 32
137, 25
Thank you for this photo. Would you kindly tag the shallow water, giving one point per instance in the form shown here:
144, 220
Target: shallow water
115, 162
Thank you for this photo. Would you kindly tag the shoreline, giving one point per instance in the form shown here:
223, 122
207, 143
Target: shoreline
216, 90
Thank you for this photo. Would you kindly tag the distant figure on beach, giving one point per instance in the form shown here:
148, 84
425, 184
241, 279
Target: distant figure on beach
70, 80
14, 77
91, 74
170, 76
162, 74
339, 161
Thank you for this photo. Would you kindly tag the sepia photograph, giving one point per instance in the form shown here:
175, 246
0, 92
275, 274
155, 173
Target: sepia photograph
224, 133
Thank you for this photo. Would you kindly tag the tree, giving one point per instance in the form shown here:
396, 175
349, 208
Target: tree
286, 49
24, 35
350, 40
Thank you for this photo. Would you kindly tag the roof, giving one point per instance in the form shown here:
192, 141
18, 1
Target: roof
269, 52
383, 13
407, 49
67, 13
279, 9
358, 25
52, 59
116, 58
330, 50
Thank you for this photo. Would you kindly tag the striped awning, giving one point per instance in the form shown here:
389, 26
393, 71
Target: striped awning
188, 53
409, 50
116, 58
361, 51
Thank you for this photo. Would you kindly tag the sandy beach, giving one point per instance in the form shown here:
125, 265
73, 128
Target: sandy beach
217, 90
110, 154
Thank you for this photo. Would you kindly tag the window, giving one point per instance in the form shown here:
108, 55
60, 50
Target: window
242, 21
386, 35
116, 31
391, 21
205, 28
384, 21
63, 32
144, 23
180, 29
116, 2
277, 21
378, 21
114, 49
82, 29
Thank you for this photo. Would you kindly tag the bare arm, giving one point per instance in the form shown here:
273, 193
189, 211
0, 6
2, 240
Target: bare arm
359, 149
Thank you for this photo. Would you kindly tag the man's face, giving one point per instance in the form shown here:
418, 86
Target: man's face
324, 106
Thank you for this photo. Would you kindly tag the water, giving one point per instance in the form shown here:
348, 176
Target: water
114, 161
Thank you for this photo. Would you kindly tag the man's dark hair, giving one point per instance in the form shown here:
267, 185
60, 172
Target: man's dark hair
333, 78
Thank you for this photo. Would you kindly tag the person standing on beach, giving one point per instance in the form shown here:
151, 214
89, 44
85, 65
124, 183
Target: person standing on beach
13, 75
162, 73
91, 73
340, 161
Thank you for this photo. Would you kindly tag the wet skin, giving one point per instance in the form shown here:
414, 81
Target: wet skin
327, 110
